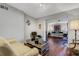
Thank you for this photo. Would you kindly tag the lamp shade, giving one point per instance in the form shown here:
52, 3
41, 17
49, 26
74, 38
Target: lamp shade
74, 24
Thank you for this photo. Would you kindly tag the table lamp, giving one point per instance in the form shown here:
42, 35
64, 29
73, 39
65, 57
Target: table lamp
74, 25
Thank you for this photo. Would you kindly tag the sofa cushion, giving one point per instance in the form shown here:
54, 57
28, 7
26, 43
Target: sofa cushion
3, 41
11, 40
15, 48
20, 49
32, 52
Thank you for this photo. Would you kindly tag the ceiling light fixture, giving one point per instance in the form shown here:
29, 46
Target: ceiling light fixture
41, 5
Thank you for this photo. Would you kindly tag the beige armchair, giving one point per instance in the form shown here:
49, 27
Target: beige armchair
13, 48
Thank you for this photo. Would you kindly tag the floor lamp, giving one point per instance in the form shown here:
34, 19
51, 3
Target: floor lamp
74, 25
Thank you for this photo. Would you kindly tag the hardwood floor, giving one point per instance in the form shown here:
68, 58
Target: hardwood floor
56, 49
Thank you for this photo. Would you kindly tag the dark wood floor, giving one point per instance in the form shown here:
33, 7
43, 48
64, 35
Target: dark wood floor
57, 50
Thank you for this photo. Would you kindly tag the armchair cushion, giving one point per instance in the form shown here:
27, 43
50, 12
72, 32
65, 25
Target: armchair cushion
11, 40
12, 47
32, 52
20, 49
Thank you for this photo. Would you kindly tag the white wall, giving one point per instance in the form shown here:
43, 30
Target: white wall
12, 23
42, 30
29, 28
34, 26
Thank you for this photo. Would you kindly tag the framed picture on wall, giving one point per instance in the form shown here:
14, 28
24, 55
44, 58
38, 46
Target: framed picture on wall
57, 28
39, 26
28, 22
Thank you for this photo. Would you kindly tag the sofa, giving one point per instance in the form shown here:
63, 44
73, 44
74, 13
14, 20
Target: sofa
10, 47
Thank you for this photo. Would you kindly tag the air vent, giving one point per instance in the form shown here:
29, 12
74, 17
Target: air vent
4, 7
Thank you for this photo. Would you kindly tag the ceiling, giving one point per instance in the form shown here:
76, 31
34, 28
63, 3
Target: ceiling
38, 10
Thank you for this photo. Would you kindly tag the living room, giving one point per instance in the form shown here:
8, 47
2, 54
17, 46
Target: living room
29, 27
